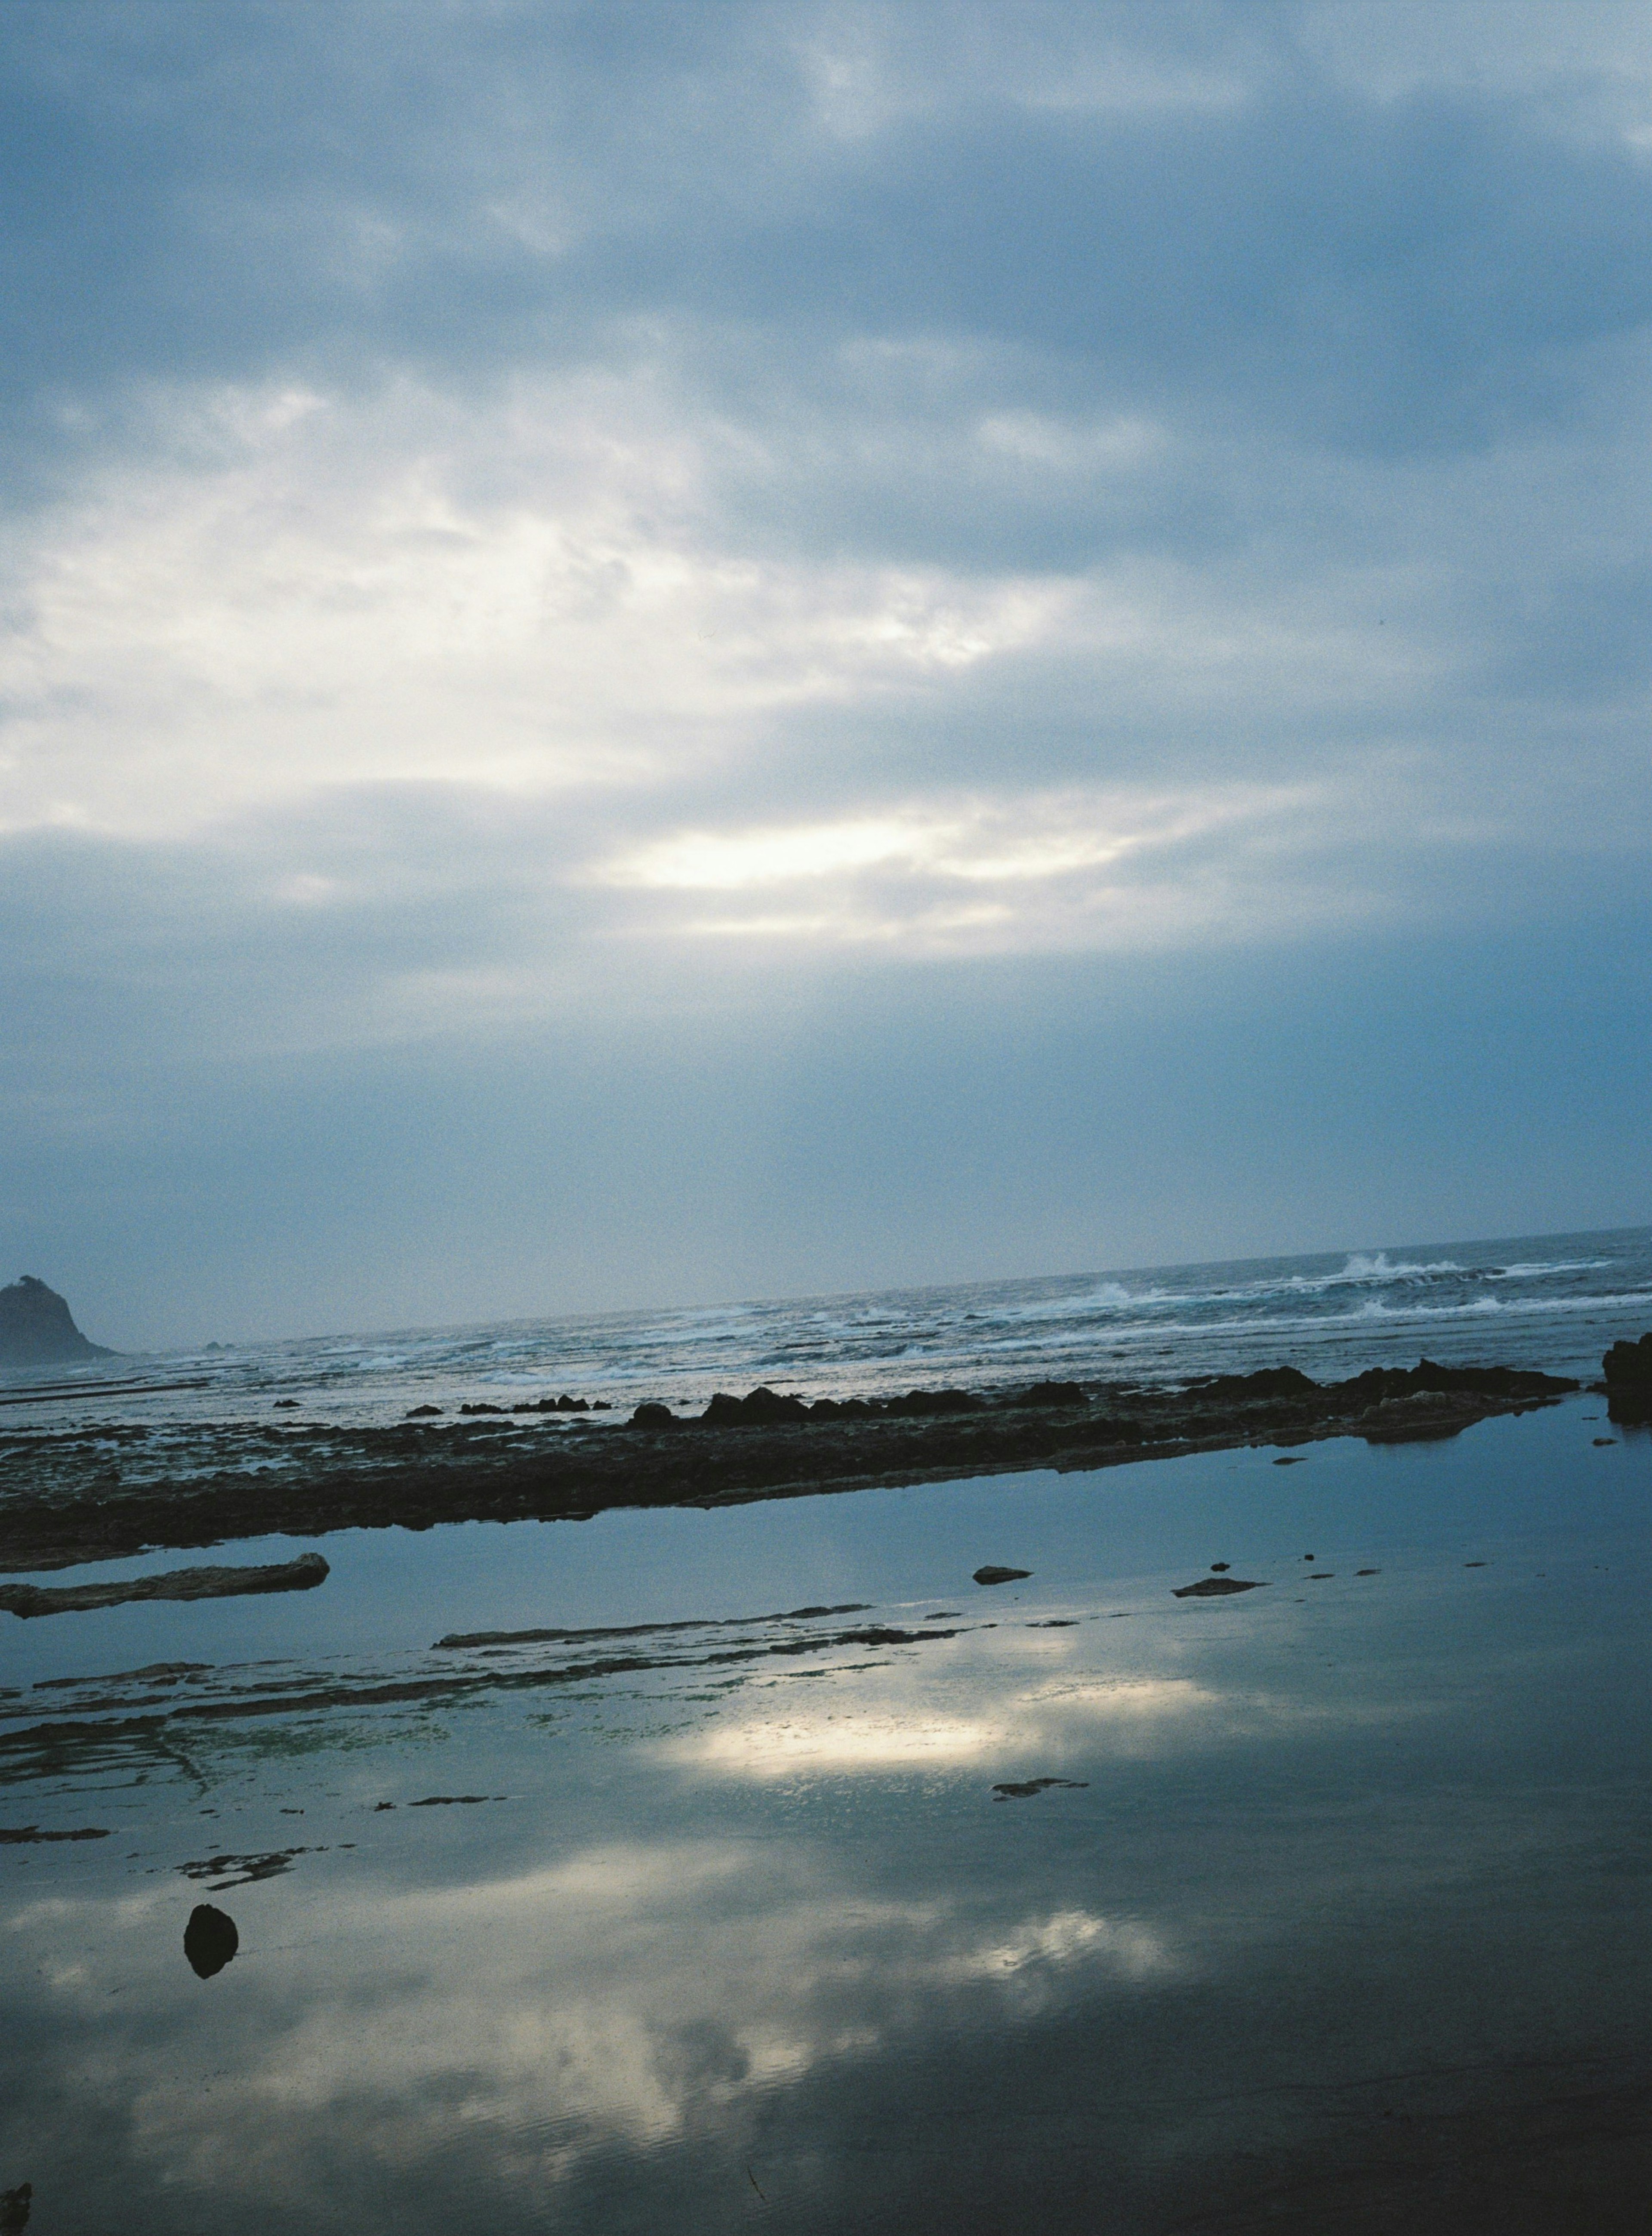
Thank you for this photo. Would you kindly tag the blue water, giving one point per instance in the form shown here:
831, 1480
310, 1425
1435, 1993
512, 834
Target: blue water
1341, 1923
1534, 1481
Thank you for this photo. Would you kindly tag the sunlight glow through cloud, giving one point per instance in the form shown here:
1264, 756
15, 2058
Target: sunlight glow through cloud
863, 1731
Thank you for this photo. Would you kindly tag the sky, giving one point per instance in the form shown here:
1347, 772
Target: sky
659, 653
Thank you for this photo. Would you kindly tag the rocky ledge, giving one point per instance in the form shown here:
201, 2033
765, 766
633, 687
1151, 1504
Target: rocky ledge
764, 1445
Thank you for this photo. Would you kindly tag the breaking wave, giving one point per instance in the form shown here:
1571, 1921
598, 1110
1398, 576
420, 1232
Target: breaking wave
1330, 1316
1377, 1268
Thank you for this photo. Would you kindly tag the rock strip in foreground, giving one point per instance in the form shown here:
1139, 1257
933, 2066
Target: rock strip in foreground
66, 1508
300, 1575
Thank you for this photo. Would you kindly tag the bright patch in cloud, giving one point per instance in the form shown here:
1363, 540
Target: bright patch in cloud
1047, 855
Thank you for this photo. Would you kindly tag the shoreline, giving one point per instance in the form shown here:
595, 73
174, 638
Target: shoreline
418, 1475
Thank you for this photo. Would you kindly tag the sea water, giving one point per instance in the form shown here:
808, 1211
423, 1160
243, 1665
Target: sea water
1553, 1301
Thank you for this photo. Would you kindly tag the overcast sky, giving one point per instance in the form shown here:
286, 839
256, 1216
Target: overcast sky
653, 653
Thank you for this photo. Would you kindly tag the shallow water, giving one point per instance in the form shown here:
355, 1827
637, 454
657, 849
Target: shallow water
1342, 1919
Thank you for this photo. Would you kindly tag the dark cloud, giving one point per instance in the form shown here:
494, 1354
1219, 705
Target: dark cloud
229, 190
460, 454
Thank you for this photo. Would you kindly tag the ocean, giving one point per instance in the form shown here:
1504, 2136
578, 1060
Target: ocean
1549, 1301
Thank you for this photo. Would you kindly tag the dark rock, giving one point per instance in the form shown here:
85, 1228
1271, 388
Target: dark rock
1603, 1440
38, 1329
919, 1404
488, 1638
1117, 1429
992, 1575
1420, 1416
1267, 1382
1024, 1790
1367, 1572
1379, 1383
423, 1412
1628, 1368
210, 1940
653, 1416
481, 1409
1220, 1567
18, 1836
1630, 1362
300, 1575
1051, 1393
243, 1870
286, 1405
152, 1672
567, 1405
14, 2208
759, 1408
1215, 1588
1291, 1459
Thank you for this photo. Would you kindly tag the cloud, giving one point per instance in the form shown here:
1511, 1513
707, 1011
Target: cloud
520, 513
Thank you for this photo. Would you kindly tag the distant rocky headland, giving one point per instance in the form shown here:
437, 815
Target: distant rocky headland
37, 1328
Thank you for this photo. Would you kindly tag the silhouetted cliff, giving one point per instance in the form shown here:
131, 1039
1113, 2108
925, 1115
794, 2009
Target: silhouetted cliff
38, 1329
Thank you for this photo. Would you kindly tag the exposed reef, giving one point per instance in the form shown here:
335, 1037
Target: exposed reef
90, 1494
37, 1328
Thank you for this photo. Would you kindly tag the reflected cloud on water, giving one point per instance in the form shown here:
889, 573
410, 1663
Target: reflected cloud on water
625, 1997
1287, 1878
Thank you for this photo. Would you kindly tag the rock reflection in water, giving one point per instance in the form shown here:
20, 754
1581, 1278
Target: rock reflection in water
210, 1940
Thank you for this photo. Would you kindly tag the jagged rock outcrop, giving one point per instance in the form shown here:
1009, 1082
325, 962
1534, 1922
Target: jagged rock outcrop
1628, 1368
37, 1328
